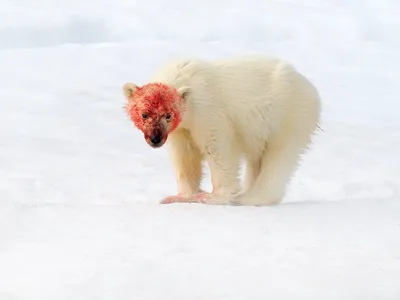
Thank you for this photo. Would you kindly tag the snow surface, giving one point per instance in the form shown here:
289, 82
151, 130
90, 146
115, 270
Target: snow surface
79, 213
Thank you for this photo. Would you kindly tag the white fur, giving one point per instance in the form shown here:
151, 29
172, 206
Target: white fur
256, 108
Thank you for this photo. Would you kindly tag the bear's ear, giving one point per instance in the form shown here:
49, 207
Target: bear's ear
128, 89
184, 91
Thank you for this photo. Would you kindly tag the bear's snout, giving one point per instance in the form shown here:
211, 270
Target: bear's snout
156, 139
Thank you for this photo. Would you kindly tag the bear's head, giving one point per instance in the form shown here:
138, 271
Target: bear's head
156, 109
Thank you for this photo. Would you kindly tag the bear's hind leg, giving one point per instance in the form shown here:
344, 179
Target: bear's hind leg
278, 164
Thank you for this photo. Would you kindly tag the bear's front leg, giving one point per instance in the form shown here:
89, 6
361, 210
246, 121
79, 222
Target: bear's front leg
224, 163
186, 160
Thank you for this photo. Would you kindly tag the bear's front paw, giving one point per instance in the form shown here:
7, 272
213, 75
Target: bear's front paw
211, 199
173, 199
202, 197
180, 198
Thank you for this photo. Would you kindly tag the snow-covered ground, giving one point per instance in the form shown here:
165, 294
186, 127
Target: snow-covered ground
79, 189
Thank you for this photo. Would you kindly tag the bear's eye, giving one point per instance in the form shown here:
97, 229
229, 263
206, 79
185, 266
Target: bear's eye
168, 116
145, 116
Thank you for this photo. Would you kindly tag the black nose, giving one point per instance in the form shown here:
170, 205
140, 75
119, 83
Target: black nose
155, 139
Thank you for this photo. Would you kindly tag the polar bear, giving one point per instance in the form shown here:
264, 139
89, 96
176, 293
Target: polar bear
259, 109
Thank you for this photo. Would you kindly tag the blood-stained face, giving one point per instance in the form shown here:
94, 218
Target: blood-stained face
156, 109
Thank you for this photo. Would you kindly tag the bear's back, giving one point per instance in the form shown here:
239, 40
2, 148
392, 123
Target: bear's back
180, 72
